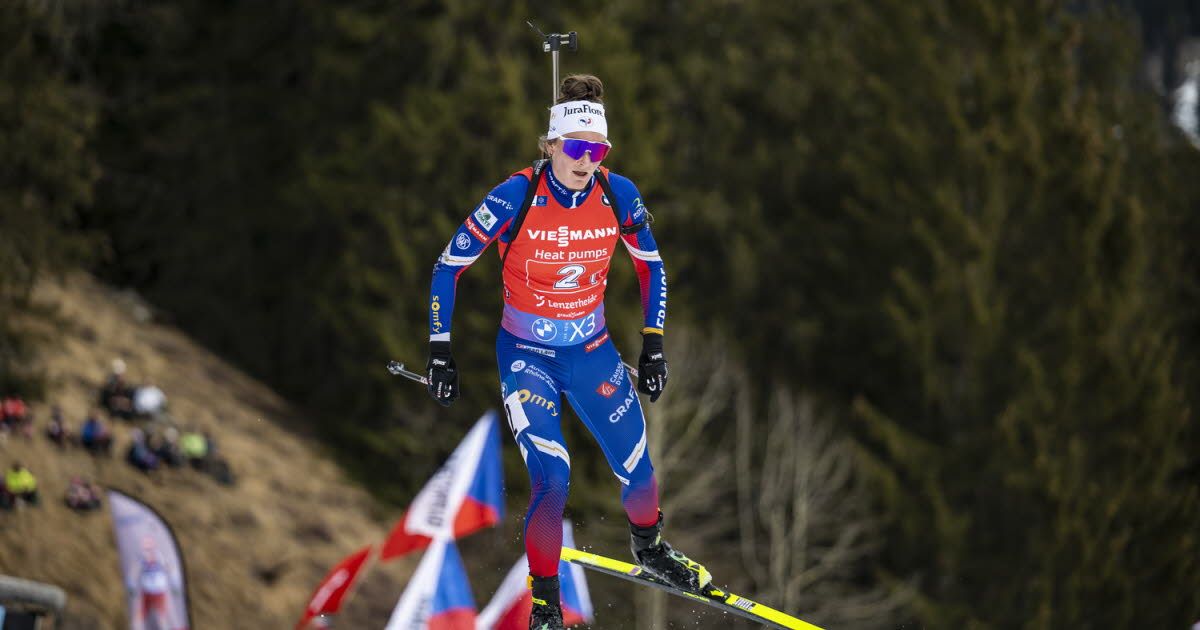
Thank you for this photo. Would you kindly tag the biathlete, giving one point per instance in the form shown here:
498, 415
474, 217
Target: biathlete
558, 227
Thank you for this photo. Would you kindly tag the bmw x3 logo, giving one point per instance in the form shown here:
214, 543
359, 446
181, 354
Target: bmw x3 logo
544, 329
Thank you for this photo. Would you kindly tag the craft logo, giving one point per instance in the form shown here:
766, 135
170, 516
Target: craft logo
606, 389
626, 405
500, 202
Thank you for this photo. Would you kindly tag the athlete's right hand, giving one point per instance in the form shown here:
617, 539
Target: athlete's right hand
443, 375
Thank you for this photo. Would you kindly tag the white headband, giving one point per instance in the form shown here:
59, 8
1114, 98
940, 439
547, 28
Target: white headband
576, 116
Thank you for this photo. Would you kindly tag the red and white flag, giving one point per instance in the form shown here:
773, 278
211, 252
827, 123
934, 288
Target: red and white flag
332, 590
465, 495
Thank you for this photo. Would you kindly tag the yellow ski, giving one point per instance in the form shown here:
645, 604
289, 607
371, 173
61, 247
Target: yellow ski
712, 595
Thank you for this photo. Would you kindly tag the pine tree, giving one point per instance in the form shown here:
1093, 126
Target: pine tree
46, 172
1021, 407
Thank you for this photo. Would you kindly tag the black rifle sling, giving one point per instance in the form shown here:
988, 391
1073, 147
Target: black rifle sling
514, 228
608, 192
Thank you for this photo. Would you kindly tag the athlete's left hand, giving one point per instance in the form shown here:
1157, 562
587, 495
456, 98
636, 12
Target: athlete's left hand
652, 366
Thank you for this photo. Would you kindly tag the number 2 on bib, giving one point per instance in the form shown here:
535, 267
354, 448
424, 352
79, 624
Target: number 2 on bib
570, 277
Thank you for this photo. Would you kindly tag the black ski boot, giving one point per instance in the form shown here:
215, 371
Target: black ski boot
656, 556
547, 607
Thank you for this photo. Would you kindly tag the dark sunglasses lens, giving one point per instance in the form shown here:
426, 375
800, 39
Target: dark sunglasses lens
599, 150
576, 148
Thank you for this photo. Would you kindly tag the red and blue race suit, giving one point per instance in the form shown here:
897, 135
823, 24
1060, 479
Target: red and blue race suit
553, 341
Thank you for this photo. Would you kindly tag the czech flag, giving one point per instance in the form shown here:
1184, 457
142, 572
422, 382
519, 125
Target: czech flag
438, 596
510, 606
465, 495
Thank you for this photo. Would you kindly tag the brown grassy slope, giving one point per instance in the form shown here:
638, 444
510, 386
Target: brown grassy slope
255, 551
292, 513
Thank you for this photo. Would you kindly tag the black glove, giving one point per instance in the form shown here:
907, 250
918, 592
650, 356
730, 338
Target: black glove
443, 375
652, 366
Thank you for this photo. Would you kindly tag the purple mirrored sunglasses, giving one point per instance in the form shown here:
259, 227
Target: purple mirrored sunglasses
575, 148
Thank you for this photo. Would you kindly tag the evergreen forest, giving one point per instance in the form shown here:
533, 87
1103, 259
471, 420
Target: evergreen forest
962, 235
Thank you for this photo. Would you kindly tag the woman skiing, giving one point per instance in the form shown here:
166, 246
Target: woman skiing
558, 225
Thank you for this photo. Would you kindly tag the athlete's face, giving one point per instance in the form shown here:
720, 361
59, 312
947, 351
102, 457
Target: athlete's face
574, 174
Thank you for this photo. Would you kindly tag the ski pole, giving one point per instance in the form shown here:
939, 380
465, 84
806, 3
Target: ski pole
397, 369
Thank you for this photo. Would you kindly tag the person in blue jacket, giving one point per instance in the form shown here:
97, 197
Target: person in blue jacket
553, 341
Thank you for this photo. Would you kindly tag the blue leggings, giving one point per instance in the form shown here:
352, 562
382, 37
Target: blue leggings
533, 379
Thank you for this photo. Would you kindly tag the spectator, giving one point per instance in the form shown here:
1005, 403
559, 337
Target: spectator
21, 484
95, 436
82, 495
12, 408
57, 430
216, 465
195, 449
166, 447
116, 396
139, 455
14, 414
149, 400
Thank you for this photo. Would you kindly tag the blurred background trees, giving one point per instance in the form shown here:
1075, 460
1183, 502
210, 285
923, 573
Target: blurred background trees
47, 169
964, 231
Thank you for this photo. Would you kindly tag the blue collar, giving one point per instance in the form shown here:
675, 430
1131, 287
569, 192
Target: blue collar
565, 196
